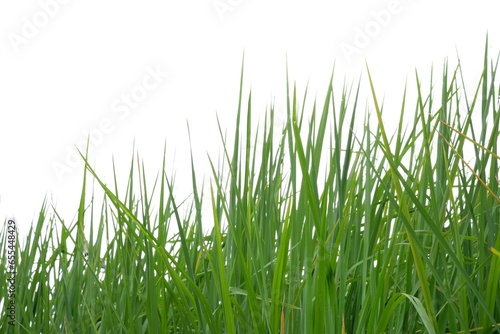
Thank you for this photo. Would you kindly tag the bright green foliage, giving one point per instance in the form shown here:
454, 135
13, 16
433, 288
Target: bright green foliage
322, 231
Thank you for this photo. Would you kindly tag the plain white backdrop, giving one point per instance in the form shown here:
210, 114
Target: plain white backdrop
136, 72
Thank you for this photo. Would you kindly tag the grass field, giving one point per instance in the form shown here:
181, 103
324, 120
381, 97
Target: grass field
321, 231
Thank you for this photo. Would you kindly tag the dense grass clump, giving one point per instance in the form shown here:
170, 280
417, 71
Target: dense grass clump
322, 231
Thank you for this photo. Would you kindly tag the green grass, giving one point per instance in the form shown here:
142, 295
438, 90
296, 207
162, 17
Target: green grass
316, 229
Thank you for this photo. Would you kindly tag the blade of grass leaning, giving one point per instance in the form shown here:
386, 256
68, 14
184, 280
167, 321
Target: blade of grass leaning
173, 271
423, 212
404, 210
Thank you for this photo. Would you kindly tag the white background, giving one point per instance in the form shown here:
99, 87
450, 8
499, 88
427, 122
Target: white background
66, 65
